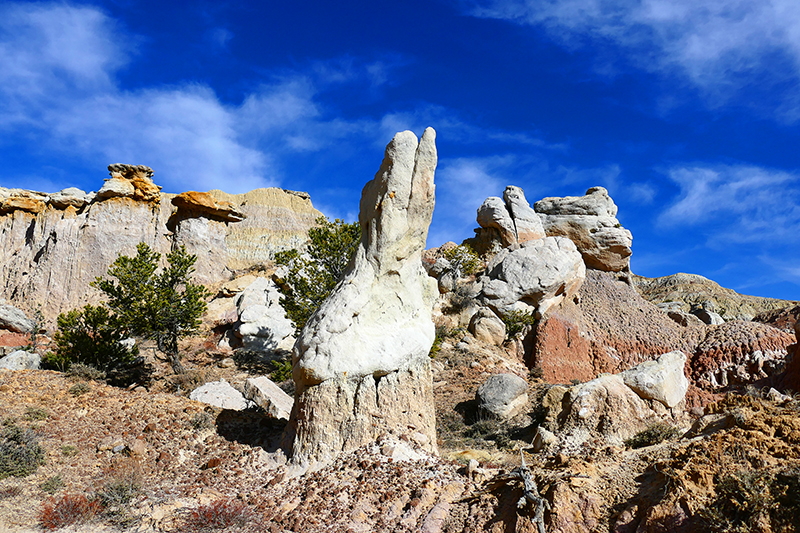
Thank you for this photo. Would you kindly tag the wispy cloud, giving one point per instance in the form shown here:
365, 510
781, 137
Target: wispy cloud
719, 46
736, 203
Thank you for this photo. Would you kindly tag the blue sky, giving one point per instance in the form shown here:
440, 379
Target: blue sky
688, 112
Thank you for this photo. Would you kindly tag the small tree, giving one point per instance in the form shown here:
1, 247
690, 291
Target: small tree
165, 307
314, 273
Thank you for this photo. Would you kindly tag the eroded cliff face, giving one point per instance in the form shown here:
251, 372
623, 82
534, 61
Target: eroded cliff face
53, 245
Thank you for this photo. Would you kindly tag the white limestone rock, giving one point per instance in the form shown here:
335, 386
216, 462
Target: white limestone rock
21, 360
263, 326
589, 221
487, 327
527, 224
662, 380
267, 395
71, 196
361, 363
493, 213
220, 394
15, 319
535, 277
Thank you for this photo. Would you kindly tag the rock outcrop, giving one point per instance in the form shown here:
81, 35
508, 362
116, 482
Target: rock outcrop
662, 379
507, 221
502, 396
263, 326
53, 246
361, 363
590, 222
14, 319
535, 277
21, 360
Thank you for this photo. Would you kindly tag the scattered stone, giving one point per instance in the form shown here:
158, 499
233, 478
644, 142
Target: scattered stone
267, 395
220, 394
361, 364
21, 360
777, 397
661, 380
487, 327
543, 439
503, 396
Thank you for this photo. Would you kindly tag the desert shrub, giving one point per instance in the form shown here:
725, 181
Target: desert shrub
516, 321
442, 332
68, 510
219, 514
463, 260
68, 450
52, 484
86, 372
35, 414
202, 420
313, 274
20, 452
281, 370
655, 434
165, 307
79, 388
187, 381
11, 491
90, 336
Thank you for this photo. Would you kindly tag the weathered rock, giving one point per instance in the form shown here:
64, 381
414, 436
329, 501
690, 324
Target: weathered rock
263, 326
535, 277
493, 213
15, 319
708, 317
50, 256
204, 203
502, 396
543, 439
267, 395
589, 221
684, 319
21, 200
361, 364
527, 224
21, 360
130, 181
487, 327
71, 196
604, 407
661, 380
220, 394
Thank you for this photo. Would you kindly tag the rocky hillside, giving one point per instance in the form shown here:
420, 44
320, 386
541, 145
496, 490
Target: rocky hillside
53, 245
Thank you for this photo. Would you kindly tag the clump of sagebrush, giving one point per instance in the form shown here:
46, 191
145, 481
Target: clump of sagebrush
20, 452
655, 434
86, 372
463, 260
516, 321
79, 389
749, 499
68, 510
219, 514
202, 420
52, 484
312, 274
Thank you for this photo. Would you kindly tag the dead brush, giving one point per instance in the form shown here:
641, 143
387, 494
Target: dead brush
70, 509
218, 515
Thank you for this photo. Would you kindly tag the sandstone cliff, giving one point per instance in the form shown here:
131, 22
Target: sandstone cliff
53, 245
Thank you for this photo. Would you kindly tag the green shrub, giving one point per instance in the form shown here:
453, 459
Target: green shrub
85, 372
463, 260
90, 336
20, 452
52, 484
655, 434
68, 450
79, 389
281, 370
313, 274
516, 321
35, 414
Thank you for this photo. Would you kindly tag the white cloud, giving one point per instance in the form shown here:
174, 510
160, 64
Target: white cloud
720, 46
736, 203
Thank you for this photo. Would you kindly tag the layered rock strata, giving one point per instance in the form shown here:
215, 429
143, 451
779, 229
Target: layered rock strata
590, 222
361, 363
53, 245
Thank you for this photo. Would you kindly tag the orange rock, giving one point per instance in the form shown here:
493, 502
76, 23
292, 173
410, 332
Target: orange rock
206, 204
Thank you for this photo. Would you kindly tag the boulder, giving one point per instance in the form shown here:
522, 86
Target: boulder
220, 394
535, 277
263, 326
361, 363
708, 317
487, 327
267, 395
603, 407
71, 196
493, 213
130, 181
502, 396
21, 360
21, 200
589, 221
661, 380
15, 319
204, 204
527, 224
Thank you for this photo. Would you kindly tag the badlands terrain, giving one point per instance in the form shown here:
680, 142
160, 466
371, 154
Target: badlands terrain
548, 388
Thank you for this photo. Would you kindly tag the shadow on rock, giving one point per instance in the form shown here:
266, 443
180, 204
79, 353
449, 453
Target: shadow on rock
251, 428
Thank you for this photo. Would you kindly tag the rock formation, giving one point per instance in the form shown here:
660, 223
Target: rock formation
361, 363
53, 246
590, 222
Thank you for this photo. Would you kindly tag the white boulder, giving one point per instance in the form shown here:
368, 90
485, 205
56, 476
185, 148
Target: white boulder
662, 379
